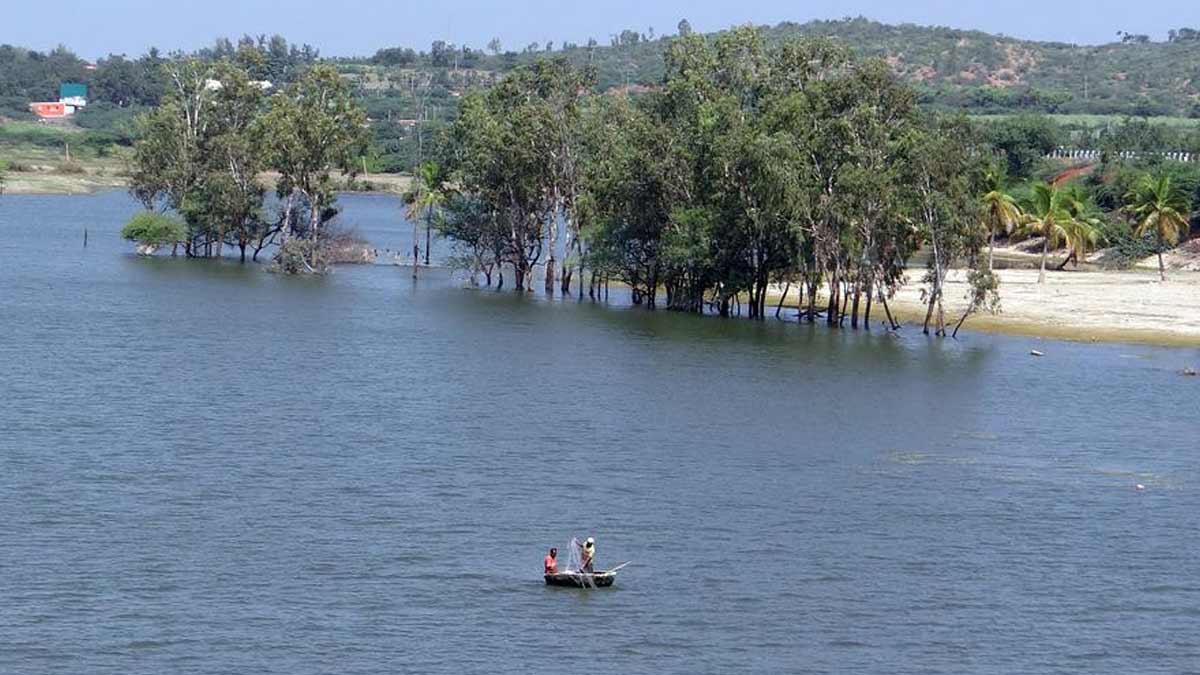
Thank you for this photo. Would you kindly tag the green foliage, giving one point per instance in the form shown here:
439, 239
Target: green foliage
1159, 208
1023, 140
299, 256
154, 229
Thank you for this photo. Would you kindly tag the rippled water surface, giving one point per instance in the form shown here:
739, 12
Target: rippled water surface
205, 468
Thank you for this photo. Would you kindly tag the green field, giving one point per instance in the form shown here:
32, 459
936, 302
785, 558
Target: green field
1097, 121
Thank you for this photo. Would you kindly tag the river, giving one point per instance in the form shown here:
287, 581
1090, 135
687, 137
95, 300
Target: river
206, 468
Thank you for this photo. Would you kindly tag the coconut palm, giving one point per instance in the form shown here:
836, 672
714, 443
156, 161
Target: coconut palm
1082, 234
1050, 214
1000, 209
425, 198
1160, 207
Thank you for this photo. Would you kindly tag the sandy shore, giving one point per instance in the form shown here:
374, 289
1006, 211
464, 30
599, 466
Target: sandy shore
1128, 306
50, 182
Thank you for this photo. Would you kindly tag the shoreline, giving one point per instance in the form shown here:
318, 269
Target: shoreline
1092, 305
1088, 306
50, 183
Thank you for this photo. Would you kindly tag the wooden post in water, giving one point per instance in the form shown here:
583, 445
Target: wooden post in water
85, 237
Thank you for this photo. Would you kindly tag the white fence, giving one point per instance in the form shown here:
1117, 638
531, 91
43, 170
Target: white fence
1082, 154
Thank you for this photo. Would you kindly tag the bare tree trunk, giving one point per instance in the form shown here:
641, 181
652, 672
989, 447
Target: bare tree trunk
416, 249
1045, 252
991, 249
888, 311
854, 306
783, 299
870, 297
428, 234
1162, 270
552, 261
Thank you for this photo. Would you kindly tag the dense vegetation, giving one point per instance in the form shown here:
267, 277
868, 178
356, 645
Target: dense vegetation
203, 151
411, 96
761, 164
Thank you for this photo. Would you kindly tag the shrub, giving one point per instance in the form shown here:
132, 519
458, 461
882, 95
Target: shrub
296, 256
154, 229
71, 168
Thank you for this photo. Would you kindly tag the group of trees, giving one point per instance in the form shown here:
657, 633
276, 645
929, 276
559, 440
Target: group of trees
759, 166
202, 154
755, 165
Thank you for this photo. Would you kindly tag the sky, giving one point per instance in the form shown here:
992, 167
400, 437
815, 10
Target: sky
94, 28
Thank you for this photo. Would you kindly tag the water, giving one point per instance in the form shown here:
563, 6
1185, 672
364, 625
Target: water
205, 468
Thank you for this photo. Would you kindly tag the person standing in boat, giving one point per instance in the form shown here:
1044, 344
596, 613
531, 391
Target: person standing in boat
552, 562
587, 556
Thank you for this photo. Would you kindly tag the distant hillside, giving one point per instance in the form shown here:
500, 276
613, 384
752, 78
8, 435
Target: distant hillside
978, 71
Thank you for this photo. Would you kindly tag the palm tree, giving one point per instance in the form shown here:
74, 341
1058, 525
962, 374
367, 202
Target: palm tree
1050, 214
1001, 211
426, 197
1082, 234
1162, 208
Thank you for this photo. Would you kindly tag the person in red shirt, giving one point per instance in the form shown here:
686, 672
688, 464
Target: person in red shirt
552, 562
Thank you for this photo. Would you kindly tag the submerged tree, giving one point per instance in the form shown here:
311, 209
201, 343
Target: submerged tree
203, 151
755, 165
313, 128
424, 200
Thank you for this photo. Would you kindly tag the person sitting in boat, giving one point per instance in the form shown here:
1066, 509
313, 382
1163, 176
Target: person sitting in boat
552, 562
587, 556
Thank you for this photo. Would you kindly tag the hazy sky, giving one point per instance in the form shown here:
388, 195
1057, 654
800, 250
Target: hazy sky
359, 27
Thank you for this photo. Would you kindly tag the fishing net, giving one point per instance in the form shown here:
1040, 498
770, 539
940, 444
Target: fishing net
575, 563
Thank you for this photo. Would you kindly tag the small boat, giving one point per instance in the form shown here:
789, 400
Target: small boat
581, 579
577, 579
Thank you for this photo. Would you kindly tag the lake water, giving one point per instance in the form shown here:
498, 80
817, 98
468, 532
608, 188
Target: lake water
205, 468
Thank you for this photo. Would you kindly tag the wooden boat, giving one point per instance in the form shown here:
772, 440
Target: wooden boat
581, 579
577, 579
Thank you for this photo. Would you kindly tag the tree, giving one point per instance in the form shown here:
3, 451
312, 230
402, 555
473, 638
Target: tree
1000, 209
513, 145
942, 167
439, 54
1050, 214
685, 28
312, 129
426, 197
495, 46
1158, 206
153, 230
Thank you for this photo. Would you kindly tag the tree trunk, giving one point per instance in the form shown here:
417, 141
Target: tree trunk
1045, 252
428, 234
870, 297
1162, 270
552, 261
854, 307
416, 249
812, 302
888, 311
991, 249
929, 311
783, 299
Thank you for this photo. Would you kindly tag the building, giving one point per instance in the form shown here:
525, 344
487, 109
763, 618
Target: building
72, 96
49, 109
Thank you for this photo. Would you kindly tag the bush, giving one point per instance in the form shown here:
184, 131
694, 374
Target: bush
71, 168
1126, 248
154, 229
297, 256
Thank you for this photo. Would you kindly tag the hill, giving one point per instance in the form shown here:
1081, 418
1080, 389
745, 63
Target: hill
978, 71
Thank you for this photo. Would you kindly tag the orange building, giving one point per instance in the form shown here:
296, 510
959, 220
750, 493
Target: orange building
49, 109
